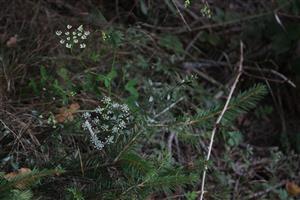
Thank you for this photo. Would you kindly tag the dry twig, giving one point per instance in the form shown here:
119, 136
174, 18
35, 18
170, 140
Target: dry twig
217, 124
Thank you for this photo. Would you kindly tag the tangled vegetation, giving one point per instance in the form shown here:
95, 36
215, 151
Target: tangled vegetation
149, 99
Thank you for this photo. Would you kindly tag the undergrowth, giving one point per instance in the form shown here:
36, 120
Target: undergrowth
125, 110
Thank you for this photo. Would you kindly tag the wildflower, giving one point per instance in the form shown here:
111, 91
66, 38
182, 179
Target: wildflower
104, 36
115, 129
69, 46
110, 140
106, 100
74, 37
187, 3
150, 99
124, 108
115, 105
106, 123
206, 11
122, 124
58, 33
86, 115
80, 28
99, 110
82, 46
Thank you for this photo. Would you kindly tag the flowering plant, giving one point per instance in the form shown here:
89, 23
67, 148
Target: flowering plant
105, 124
73, 37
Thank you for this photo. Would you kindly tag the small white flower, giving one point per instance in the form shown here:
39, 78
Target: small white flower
99, 110
104, 127
168, 97
115, 105
115, 129
122, 124
109, 112
110, 140
80, 28
96, 120
58, 33
86, 115
106, 117
82, 46
68, 45
74, 33
67, 33
150, 99
106, 100
79, 34
68, 38
69, 26
124, 108
83, 37
86, 33
62, 41
75, 41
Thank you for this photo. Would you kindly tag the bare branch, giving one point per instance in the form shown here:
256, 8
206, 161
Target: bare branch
217, 124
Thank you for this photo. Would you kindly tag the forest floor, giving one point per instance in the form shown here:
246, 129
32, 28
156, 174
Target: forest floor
174, 62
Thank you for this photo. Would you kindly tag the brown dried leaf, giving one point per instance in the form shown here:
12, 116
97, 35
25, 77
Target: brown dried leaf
66, 114
292, 188
21, 184
74, 107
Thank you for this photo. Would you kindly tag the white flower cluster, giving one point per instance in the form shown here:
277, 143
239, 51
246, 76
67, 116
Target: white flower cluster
106, 123
73, 37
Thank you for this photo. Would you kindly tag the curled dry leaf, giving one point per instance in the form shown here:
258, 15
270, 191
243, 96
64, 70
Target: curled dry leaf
292, 188
66, 114
12, 41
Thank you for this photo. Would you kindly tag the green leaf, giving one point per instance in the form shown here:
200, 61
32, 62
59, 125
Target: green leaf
63, 73
110, 76
95, 57
130, 87
115, 38
107, 79
33, 85
44, 76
